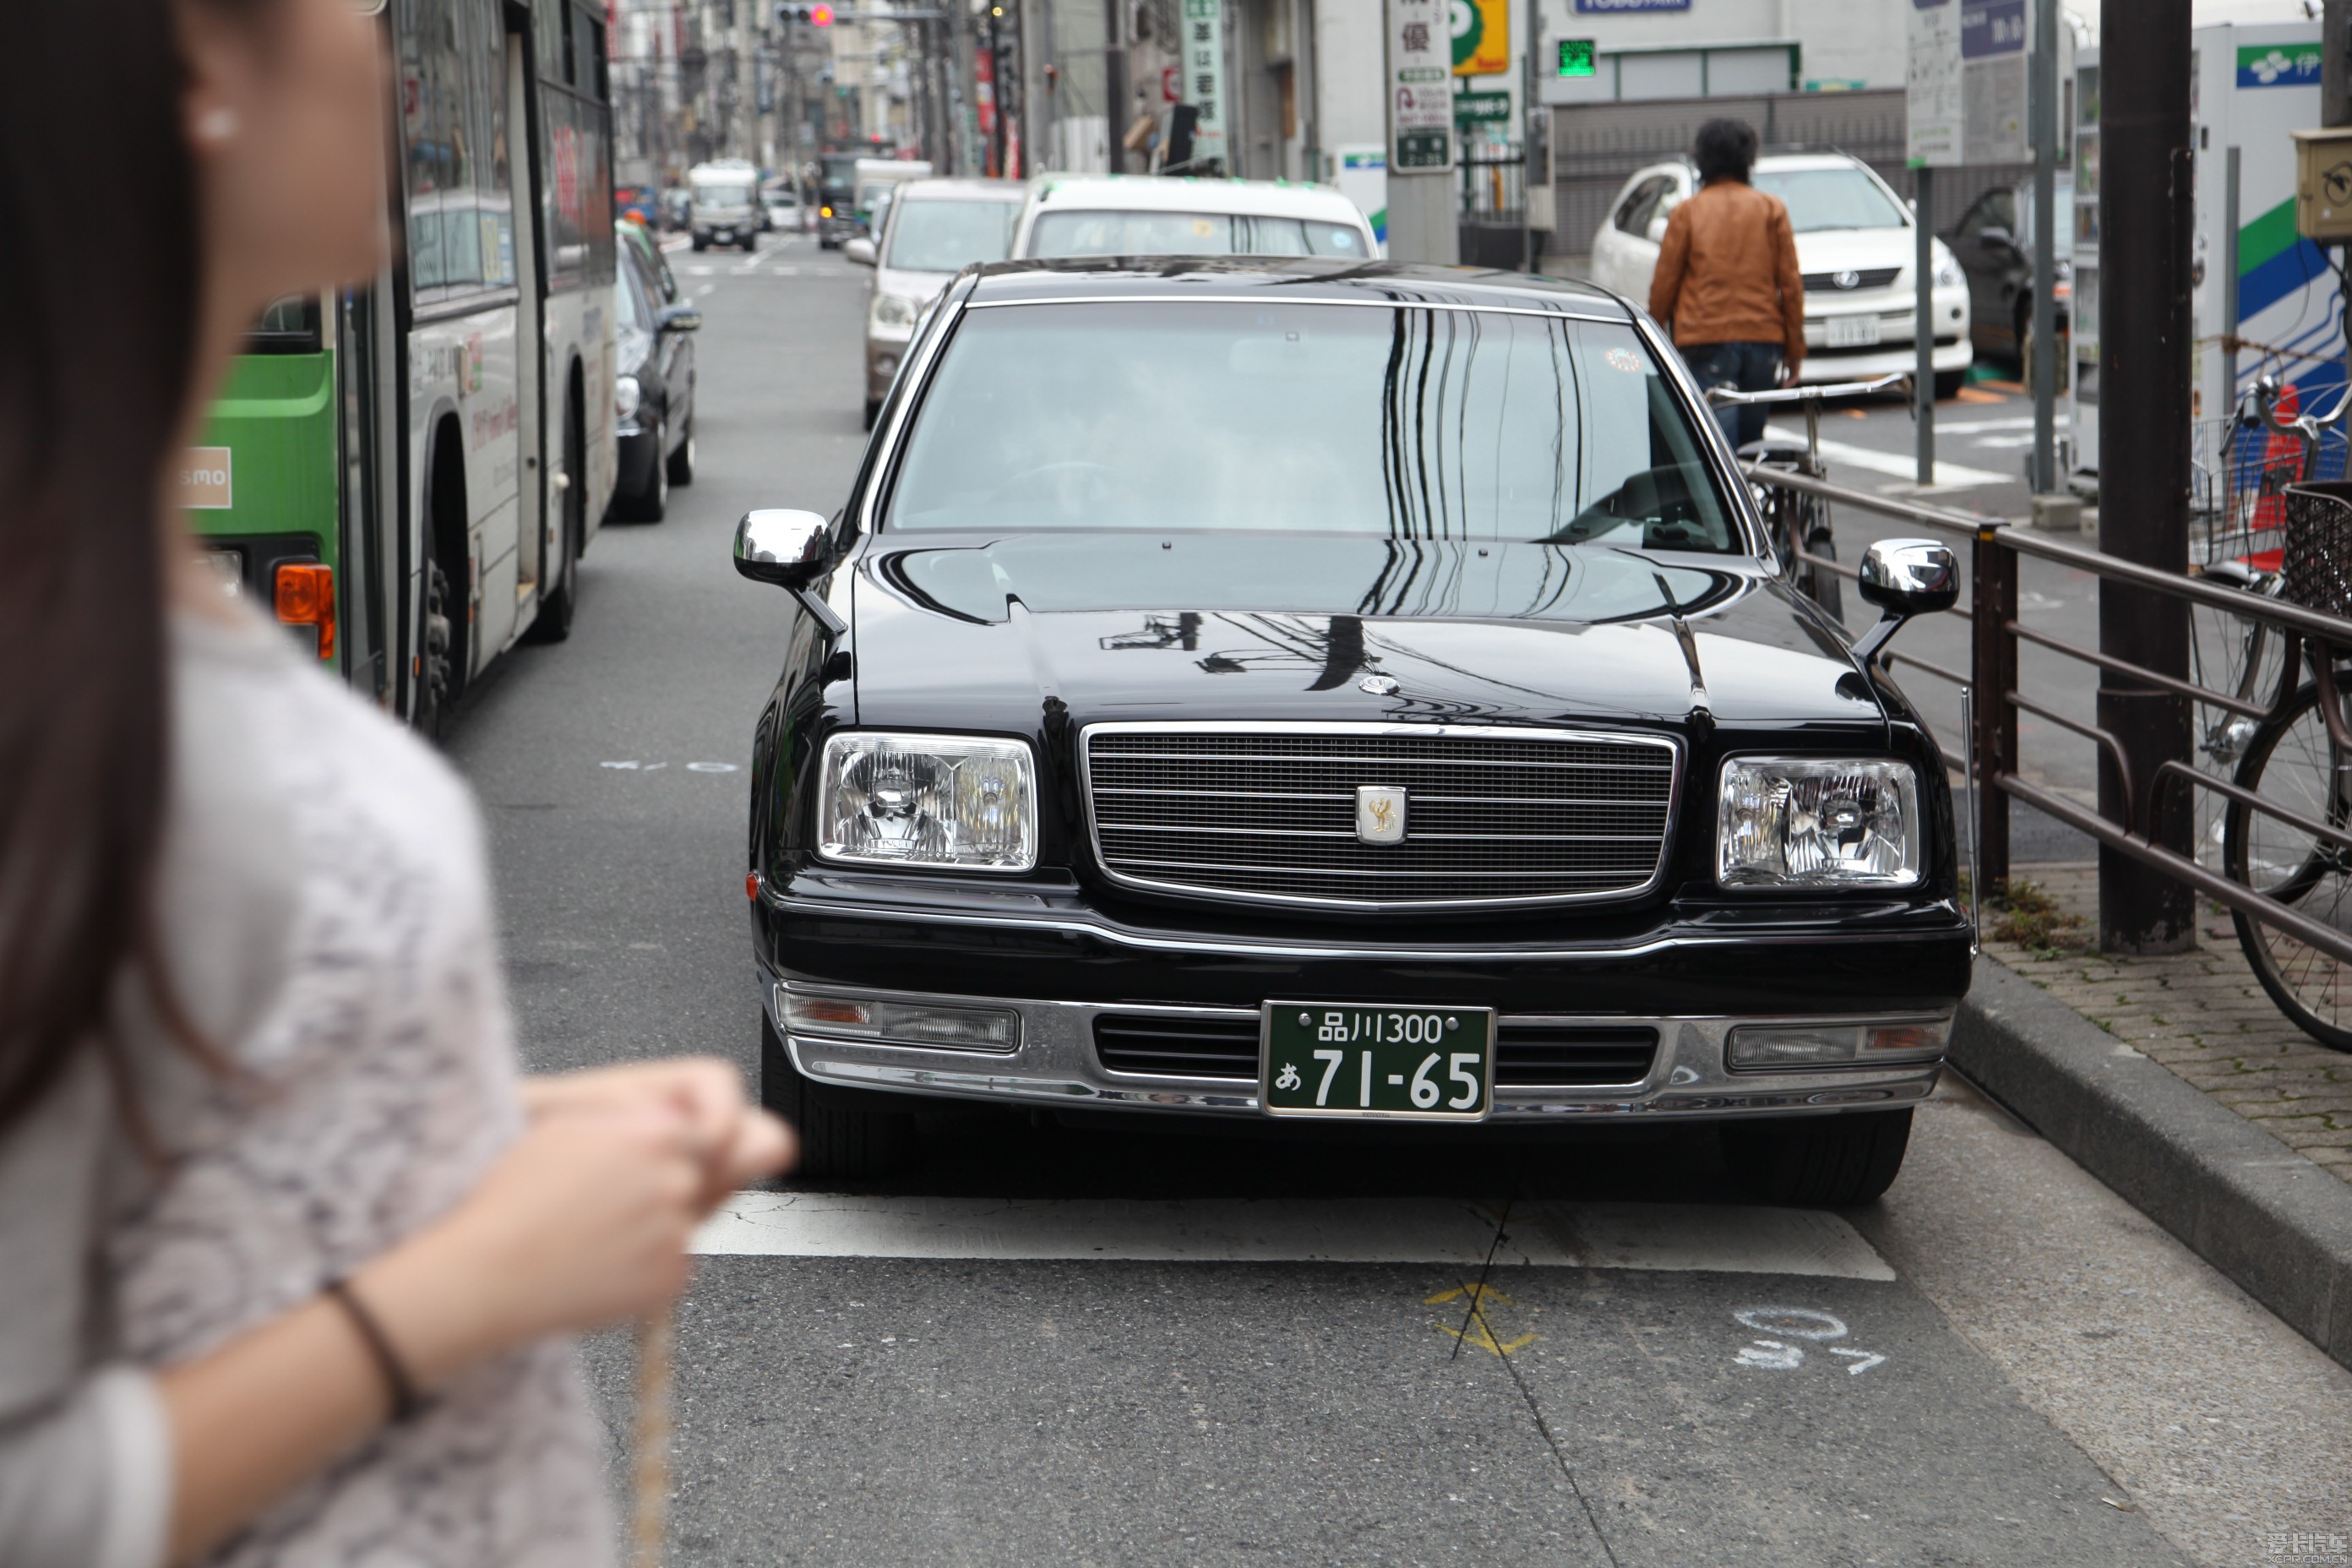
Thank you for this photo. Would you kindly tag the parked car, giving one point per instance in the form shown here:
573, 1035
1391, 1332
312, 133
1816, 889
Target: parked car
654, 393
676, 207
726, 208
1855, 246
1141, 215
936, 228
1993, 242
1239, 728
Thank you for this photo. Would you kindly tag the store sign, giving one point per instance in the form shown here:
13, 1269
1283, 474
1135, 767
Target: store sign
1421, 85
1482, 37
2278, 65
1482, 109
1603, 7
1931, 84
1965, 88
1204, 75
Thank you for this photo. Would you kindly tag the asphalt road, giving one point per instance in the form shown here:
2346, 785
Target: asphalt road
1107, 1344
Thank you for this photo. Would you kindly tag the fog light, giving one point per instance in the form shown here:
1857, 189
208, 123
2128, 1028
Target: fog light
1835, 1045
935, 1026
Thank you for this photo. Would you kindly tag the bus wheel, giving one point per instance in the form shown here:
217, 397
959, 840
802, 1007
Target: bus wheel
561, 594
432, 674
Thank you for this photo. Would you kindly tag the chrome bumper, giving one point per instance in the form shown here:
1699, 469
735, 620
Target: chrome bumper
1055, 1064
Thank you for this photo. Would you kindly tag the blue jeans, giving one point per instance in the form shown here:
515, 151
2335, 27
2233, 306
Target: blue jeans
1745, 367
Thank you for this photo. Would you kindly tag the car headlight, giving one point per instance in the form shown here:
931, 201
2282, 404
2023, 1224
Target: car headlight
1818, 823
626, 395
1836, 1043
936, 1026
928, 800
1947, 275
892, 311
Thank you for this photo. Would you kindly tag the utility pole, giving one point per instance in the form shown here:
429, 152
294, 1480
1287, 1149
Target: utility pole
2336, 63
2043, 94
2145, 223
1923, 320
1115, 83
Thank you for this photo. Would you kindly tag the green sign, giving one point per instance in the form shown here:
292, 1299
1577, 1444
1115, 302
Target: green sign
1482, 109
1576, 57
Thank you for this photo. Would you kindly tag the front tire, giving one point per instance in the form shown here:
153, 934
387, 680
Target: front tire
1818, 1161
843, 1134
1947, 383
651, 503
681, 462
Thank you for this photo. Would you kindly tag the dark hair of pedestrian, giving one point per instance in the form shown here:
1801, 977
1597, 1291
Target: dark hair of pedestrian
1725, 150
91, 390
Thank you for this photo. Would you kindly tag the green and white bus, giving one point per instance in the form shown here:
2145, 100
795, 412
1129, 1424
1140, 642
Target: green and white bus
407, 473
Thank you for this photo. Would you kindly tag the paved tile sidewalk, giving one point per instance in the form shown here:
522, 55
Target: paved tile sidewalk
2201, 1013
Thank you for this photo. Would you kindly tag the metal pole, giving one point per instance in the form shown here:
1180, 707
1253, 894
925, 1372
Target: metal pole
2336, 63
2144, 223
1923, 321
2044, 368
1115, 84
2229, 280
1993, 583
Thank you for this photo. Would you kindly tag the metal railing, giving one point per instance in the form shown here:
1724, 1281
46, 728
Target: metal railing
1991, 689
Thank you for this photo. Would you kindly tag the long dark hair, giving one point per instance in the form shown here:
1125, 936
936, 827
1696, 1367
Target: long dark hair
92, 387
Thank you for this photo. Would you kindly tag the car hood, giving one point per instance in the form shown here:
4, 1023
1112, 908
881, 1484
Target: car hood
979, 632
1833, 249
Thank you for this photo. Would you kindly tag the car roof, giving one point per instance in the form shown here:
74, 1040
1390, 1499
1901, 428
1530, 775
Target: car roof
1307, 279
1161, 193
960, 191
1790, 163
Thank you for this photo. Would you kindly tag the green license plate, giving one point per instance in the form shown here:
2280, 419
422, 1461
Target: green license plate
1423, 1063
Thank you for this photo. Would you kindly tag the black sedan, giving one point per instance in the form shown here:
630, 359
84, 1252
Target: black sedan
1304, 691
1993, 242
654, 391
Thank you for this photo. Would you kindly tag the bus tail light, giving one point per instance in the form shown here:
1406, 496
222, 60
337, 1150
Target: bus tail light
305, 594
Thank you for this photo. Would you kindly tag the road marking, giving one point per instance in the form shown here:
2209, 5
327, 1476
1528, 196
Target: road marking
1949, 476
1477, 1328
1976, 427
1674, 1237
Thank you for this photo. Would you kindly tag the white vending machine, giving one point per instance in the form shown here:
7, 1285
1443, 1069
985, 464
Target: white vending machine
2264, 300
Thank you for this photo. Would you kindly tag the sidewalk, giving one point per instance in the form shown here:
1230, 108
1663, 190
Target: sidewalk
2175, 1082
2201, 1013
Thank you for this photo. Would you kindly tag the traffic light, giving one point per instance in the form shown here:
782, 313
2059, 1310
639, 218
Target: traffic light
814, 15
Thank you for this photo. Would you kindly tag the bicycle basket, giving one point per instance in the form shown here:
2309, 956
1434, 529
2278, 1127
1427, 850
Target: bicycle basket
2318, 547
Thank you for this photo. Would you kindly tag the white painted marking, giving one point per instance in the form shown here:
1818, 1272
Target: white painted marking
1663, 1237
1771, 1354
632, 766
711, 767
1797, 1323
707, 289
1976, 426
1949, 476
1863, 1361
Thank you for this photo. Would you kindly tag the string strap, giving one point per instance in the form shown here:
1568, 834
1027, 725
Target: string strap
405, 1403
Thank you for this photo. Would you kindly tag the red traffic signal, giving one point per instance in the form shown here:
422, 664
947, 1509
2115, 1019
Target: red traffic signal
820, 15
814, 15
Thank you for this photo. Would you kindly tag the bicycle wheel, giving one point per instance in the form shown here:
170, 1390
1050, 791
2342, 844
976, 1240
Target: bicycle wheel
2294, 764
1822, 584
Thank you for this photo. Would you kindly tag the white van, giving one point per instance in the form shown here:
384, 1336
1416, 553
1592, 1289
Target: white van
877, 178
724, 204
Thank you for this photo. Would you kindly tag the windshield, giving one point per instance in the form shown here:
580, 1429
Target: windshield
1831, 198
947, 236
1411, 423
1189, 234
723, 195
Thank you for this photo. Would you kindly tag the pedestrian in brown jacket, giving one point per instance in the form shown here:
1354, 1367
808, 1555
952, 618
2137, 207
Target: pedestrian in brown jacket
1727, 288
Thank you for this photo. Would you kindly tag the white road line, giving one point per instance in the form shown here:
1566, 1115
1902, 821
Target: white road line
1670, 1236
1949, 476
1976, 427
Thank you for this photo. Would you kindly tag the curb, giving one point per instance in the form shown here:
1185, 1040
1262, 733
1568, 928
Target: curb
2276, 1224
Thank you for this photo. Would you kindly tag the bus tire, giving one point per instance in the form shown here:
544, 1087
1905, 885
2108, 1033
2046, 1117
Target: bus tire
433, 672
560, 596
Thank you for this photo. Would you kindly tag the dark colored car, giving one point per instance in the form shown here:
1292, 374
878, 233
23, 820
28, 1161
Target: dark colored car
1993, 242
653, 329
1239, 690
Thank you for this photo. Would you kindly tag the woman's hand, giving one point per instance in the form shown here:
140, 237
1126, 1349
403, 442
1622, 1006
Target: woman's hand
746, 1142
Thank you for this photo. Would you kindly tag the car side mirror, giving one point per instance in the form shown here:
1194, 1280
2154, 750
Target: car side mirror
860, 250
785, 548
1905, 577
1993, 235
677, 319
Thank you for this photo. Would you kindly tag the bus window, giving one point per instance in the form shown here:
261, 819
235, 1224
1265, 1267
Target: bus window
291, 326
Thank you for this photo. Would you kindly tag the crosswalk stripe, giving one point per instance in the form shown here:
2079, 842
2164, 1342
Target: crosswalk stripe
1719, 1238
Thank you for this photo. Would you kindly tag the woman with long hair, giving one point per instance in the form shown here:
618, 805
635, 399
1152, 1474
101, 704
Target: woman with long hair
289, 1248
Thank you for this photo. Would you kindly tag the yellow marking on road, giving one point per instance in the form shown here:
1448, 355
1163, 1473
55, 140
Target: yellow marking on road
1480, 1331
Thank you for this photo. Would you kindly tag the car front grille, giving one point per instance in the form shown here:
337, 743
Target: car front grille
1529, 1054
1866, 278
1491, 816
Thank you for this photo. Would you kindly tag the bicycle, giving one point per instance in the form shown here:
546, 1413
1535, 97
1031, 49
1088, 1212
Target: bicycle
1796, 525
2300, 758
